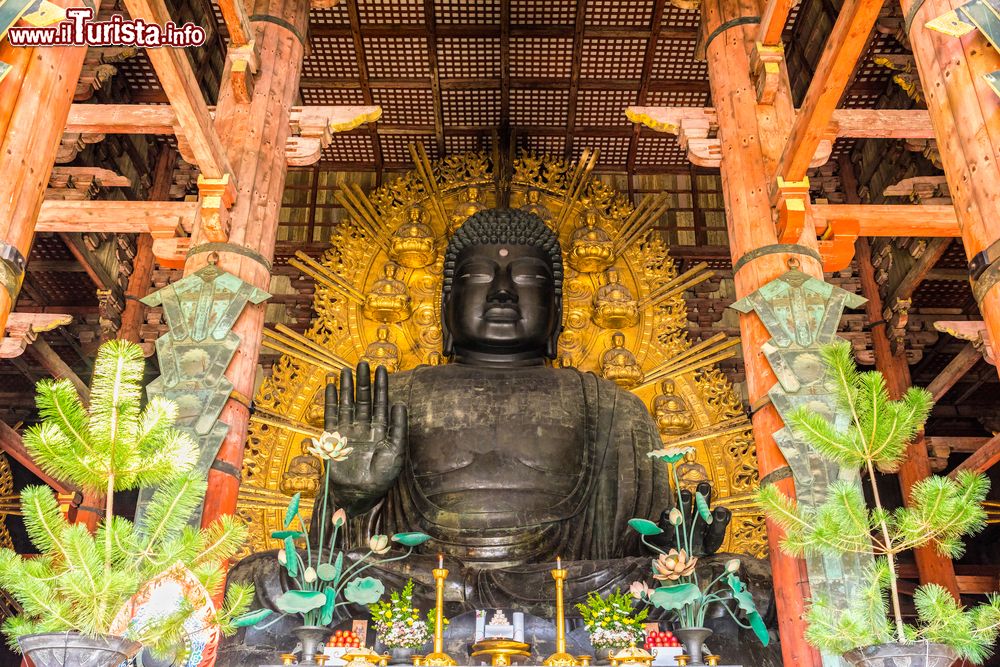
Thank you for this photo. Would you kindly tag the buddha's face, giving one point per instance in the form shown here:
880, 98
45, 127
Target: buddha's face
502, 300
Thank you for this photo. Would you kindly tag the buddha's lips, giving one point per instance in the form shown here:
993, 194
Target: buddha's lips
502, 313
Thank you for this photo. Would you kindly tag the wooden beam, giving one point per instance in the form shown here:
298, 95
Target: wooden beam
432, 62
177, 78
234, 12
121, 119
74, 243
773, 20
918, 272
13, 446
891, 219
954, 371
843, 47
162, 219
956, 443
848, 123
647, 70
982, 459
23, 328
57, 368
574, 77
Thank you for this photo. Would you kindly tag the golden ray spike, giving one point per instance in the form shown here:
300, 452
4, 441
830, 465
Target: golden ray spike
684, 356
701, 354
728, 427
346, 198
366, 209
298, 355
362, 196
426, 173
634, 217
576, 183
643, 225
296, 343
305, 340
307, 264
676, 289
279, 422
673, 282
695, 365
255, 497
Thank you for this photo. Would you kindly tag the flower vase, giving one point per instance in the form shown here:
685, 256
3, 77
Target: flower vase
63, 649
310, 637
693, 640
402, 656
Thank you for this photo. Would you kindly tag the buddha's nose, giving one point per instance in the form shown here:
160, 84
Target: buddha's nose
502, 295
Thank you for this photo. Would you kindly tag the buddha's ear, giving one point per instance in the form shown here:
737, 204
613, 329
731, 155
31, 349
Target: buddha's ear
447, 342
552, 345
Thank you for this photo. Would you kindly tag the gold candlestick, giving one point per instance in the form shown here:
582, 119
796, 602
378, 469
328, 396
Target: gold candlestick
560, 658
439, 658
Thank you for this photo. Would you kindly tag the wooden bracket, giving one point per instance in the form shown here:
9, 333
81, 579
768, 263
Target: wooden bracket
791, 199
973, 331
23, 328
765, 70
217, 195
836, 246
171, 253
245, 62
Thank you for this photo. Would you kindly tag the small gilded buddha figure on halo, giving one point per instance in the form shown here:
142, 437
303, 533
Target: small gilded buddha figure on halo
412, 244
690, 473
591, 248
618, 364
382, 351
534, 205
303, 474
470, 205
673, 416
389, 299
614, 307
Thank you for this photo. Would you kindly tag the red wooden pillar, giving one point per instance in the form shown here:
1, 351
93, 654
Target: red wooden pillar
752, 138
44, 78
965, 113
254, 135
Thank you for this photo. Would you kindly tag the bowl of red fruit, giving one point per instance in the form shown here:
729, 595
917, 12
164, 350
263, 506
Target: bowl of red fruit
664, 646
339, 644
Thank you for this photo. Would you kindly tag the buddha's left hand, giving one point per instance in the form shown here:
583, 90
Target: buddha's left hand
706, 537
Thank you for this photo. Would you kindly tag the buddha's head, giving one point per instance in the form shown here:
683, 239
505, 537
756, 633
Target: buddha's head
472, 194
668, 387
612, 275
389, 270
416, 213
533, 196
617, 340
502, 293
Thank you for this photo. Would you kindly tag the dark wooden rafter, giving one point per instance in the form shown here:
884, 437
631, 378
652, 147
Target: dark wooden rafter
647, 71
363, 83
919, 271
432, 61
74, 242
574, 78
956, 369
505, 32
982, 459
57, 367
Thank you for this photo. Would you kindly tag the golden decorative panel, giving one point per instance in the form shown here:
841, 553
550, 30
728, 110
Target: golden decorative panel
377, 297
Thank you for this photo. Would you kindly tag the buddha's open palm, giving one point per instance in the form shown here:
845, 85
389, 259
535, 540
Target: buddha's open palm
376, 433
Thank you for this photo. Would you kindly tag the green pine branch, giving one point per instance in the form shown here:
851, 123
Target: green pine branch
80, 582
941, 512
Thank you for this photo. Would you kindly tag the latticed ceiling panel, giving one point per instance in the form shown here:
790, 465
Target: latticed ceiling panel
659, 150
468, 57
675, 60
405, 106
464, 143
471, 107
391, 12
677, 98
871, 75
551, 12
469, 12
353, 148
544, 145
860, 100
395, 151
680, 19
637, 14
543, 57
613, 150
334, 16
139, 74
331, 57
397, 57
333, 96
539, 107
603, 107
617, 58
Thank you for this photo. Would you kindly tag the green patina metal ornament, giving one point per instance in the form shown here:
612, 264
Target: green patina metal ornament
200, 310
802, 314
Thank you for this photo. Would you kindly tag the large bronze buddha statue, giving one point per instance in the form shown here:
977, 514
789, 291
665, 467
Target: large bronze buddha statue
503, 459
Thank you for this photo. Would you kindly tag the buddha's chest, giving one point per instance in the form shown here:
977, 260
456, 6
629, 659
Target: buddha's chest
474, 433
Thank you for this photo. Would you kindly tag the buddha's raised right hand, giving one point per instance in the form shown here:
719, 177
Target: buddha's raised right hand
377, 435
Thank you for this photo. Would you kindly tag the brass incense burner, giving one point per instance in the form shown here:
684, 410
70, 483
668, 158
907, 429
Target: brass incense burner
501, 651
